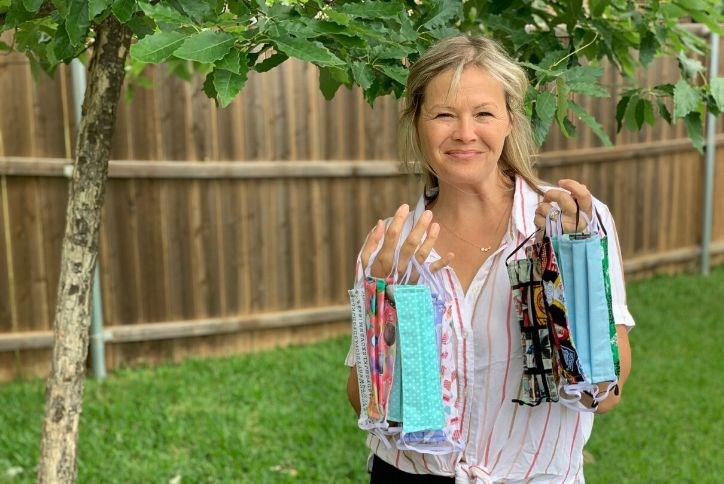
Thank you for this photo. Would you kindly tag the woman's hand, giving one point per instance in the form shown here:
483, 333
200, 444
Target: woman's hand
413, 245
565, 205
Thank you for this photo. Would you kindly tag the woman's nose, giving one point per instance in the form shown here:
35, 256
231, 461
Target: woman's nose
464, 129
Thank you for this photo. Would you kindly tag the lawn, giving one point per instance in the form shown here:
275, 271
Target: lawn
282, 416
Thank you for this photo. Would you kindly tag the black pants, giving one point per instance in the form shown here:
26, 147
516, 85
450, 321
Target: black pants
384, 473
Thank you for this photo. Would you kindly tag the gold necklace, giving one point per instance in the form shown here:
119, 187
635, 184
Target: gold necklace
477, 246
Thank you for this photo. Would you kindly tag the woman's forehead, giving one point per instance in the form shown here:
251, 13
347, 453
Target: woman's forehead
473, 84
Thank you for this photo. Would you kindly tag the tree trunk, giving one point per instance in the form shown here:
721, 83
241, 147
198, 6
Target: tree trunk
64, 388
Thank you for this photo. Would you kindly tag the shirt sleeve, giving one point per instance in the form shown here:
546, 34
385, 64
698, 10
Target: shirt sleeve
621, 314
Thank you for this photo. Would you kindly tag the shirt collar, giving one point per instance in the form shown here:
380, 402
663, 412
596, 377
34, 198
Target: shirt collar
525, 202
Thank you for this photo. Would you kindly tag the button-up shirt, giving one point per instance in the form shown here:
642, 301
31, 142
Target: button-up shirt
504, 441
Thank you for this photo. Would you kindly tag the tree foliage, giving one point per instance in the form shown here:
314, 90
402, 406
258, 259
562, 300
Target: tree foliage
561, 43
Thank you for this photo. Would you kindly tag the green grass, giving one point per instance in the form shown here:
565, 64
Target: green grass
282, 416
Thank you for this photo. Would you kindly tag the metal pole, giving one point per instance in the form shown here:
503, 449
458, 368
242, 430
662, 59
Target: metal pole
709, 164
97, 348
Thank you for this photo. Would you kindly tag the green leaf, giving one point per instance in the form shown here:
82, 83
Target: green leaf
340, 18
648, 109
598, 7
197, 10
562, 105
640, 112
306, 50
621, 107
271, 62
390, 51
443, 13
396, 72
206, 47
647, 48
716, 87
77, 21
123, 9
695, 128
164, 14
363, 75
686, 99
664, 111
631, 119
231, 62
372, 10
328, 84
595, 126
545, 106
545, 111
32, 5
97, 7
157, 47
208, 87
62, 47
227, 85
689, 67
141, 26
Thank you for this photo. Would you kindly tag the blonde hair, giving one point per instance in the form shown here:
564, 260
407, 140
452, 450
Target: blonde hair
457, 53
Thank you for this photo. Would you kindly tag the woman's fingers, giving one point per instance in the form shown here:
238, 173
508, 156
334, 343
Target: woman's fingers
441, 263
580, 192
382, 265
411, 244
373, 239
579, 199
545, 208
426, 247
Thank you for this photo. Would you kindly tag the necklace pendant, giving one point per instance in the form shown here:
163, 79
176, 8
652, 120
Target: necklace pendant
484, 249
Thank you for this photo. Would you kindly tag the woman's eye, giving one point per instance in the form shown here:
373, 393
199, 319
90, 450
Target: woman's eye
483, 114
443, 115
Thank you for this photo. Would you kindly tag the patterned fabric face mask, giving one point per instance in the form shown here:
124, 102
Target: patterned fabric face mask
540, 370
381, 344
555, 303
611, 321
359, 338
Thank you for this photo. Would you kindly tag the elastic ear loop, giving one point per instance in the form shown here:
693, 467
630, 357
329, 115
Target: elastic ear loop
520, 246
589, 222
426, 275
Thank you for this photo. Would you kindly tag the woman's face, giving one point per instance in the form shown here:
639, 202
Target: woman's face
462, 135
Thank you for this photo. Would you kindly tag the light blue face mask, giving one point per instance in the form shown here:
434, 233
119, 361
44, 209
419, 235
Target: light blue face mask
580, 259
422, 407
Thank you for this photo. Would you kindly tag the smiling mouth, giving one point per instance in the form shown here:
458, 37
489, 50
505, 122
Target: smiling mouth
463, 154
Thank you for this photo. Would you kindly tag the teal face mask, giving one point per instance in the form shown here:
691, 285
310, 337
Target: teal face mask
422, 407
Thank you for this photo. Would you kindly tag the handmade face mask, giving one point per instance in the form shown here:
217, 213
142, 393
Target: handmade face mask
540, 376
555, 303
421, 388
381, 344
611, 321
581, 262
359, 339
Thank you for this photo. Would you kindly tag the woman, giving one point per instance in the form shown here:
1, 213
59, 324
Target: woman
464, 121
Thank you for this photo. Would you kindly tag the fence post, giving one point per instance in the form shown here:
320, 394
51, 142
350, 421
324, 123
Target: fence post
709, 163
97, 349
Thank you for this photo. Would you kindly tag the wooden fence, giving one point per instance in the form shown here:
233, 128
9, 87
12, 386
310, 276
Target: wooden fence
234, 230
